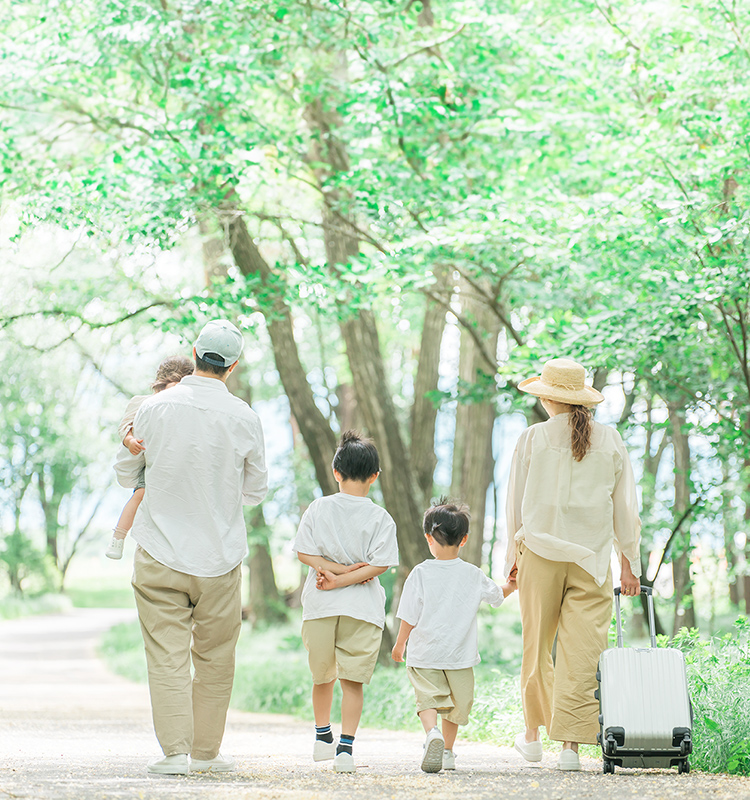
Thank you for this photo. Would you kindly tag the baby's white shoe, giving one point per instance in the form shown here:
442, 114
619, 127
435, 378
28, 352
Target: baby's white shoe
115, 548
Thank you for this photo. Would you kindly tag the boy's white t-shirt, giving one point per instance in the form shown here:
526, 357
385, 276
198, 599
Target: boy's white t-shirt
441, 599
347, 529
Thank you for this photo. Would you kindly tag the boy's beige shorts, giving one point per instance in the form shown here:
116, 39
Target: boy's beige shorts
450, 691
341, 647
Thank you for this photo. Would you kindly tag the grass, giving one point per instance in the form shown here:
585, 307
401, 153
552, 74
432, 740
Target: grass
100, 593
15, 606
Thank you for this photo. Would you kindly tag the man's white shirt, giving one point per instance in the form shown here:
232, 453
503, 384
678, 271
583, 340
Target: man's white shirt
204, 459
441, 599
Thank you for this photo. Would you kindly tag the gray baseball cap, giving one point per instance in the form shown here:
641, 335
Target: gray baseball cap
219, 343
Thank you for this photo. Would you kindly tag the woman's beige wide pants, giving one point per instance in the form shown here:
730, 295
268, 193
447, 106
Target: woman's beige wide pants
561, 597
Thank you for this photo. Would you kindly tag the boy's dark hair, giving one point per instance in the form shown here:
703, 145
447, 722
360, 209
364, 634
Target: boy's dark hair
447, 522
205, 366
356, 458
172, 370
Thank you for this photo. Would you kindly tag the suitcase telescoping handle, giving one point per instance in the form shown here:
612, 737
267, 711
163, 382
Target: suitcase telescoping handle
651, 621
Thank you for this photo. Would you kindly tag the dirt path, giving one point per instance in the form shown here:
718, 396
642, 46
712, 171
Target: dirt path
70, 729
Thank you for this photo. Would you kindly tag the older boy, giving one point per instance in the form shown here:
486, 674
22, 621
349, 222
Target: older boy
347, 541
438, 609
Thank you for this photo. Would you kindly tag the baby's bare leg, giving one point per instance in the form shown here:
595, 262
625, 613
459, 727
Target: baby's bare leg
125, 523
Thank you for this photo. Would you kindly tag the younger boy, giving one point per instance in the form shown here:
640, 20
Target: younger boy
347, 541
438, 613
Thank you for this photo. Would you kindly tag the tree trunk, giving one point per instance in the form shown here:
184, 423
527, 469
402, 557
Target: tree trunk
424, 411
401, 493
746, 577
398, 482
729, 526
651, 462
265, 603
314, 427
473, 463
681, 548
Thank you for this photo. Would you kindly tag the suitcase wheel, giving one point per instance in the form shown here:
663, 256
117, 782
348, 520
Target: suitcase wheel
683, 767
608, 767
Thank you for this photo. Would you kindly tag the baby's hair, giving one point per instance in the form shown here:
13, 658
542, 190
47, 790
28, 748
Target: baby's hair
356, 457
172, 370
447, 522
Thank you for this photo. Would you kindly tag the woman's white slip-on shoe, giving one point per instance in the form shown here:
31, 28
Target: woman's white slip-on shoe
531, 751
569, 761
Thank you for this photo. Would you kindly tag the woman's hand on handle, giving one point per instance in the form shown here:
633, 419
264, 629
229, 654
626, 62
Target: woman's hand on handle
629, 584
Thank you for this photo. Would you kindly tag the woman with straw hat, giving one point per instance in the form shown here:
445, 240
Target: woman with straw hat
571, 497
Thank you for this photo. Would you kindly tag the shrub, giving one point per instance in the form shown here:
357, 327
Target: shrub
719, 680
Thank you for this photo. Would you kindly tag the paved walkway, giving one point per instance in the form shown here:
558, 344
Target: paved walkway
71, 730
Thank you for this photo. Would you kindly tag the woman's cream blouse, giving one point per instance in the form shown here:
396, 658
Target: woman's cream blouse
567, 510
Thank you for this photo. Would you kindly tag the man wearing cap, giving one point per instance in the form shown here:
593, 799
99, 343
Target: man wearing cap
204, 459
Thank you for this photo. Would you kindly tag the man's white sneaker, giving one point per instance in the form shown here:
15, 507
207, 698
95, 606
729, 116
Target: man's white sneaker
449, 759
219, 764
115, 548
531, 751
434, 745
569, 761
323, 751
343, 762
170, 765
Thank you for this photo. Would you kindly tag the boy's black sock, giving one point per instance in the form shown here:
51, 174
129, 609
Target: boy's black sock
323, 733
345, 744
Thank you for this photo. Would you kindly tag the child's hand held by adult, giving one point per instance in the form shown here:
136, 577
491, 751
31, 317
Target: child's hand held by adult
136, 446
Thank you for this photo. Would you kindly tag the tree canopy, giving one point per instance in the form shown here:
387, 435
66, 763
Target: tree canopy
408, 206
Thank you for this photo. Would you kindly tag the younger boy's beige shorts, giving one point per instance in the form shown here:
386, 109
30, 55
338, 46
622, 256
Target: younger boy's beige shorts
341, 647
450, 691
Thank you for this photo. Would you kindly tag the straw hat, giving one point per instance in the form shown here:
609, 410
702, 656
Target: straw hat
563, 380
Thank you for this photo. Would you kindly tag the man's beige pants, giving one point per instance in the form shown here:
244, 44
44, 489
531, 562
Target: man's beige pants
173, 609
560, 597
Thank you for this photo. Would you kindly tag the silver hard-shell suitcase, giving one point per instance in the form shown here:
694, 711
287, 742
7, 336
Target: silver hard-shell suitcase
645, 710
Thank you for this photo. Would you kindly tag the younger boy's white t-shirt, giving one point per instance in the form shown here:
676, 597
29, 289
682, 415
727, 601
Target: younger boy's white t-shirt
441, 599
347, 529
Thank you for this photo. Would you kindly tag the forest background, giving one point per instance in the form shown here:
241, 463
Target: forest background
407, 207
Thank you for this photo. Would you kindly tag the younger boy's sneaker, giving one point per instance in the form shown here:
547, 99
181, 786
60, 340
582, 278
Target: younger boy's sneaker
434, 745
343, 762
115, 548
449, 759
323, 751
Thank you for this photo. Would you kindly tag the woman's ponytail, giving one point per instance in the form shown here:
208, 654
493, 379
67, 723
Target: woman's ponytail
580, 431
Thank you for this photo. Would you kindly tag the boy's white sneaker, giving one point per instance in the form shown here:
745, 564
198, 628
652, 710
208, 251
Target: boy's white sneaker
219, 764
449, 759
324, 751
434, 745
170, 765
115, 548
531, 751
343, 762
